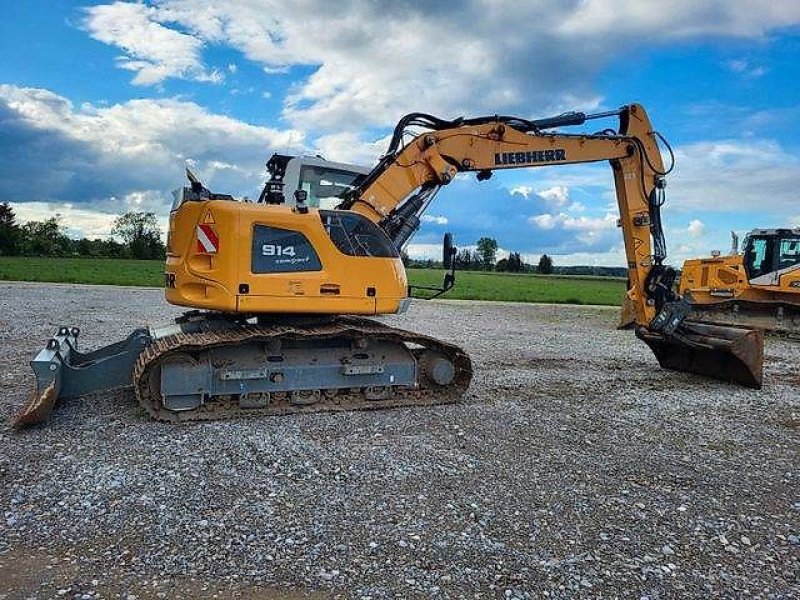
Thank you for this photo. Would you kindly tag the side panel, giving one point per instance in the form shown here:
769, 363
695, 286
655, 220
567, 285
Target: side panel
270, 259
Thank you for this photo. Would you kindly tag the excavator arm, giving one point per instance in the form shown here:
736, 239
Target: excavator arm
399, 189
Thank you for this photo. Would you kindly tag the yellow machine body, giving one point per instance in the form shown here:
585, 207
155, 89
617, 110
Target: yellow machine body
218, 259
759, 287
713, 280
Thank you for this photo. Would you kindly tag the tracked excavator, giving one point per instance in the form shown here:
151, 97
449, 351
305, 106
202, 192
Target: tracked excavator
280, 291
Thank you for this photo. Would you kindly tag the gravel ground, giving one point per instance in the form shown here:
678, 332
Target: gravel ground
573, 467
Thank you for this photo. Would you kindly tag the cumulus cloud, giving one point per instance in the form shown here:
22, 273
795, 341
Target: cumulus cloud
521, 190
572, 223
696, 228
557, 195
685, 18
151, 50
125, 155
79, 222
436, 219
350, 147
370, 59
750, 176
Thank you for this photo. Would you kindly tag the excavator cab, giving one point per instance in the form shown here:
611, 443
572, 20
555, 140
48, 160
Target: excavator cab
770, 254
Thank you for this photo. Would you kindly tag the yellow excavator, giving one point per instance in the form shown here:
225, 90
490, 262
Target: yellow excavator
757, 287
280, 291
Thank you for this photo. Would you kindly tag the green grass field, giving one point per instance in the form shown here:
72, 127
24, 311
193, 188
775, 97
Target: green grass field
83, 270
470, 285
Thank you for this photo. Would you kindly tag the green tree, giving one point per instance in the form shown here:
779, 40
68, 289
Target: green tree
44, 238
487, 251
9, 231
545, 265
464, 259
405, 258
515, 264
141, 234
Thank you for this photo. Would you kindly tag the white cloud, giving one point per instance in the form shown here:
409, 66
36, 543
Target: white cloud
425, 251
753, 176
350, 147
685, 18
437, 219
129, 154
557, 195
80, 222
696, 228
370, 59
544, 221
152, 51
572, 223
521, 190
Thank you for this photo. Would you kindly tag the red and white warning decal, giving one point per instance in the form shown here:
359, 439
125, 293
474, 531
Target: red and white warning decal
207, 239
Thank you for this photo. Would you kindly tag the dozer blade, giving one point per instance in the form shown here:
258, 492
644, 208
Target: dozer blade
38, 408
731, 354
63, 372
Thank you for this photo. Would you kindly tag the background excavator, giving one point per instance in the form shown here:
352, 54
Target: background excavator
280, 290
758, 286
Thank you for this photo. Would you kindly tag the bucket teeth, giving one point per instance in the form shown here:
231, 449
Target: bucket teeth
38, 408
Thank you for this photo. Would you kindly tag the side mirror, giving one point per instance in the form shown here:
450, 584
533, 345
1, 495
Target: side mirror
448, 251
448, 258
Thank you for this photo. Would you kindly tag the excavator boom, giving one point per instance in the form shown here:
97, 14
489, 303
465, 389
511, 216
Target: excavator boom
399, 189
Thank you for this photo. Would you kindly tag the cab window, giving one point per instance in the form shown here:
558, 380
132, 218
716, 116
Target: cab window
326, 187
355, 235
759, 257
789, 254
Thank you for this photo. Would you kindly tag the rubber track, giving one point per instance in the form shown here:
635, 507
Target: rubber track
340, 400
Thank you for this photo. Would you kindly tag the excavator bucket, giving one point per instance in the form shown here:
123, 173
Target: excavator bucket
63, 372
733, 354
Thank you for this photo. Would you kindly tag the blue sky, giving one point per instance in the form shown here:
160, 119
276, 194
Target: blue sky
102, 105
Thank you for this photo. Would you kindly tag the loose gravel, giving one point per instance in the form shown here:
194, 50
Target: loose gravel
574, 467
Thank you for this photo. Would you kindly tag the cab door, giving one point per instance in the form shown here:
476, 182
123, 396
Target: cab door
760, 261
788, 273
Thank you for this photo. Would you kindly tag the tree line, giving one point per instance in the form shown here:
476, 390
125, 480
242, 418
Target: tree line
141, 239
484, 258
139, 232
